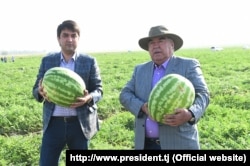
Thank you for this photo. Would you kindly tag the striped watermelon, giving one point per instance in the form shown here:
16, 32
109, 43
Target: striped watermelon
171, 92
63, 86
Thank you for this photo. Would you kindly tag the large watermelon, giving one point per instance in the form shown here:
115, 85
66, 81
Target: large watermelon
171, 92
63, 86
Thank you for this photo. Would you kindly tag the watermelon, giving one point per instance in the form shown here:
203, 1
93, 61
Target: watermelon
63, 86
171, 92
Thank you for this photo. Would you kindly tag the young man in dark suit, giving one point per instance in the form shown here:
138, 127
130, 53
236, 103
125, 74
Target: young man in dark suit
76, 125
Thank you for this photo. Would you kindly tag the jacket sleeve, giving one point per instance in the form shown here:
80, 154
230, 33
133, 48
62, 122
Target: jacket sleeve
202, 98
128, 98
40, 75
95, 83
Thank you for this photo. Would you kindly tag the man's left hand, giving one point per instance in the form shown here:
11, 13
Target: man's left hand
82, 100
179, 117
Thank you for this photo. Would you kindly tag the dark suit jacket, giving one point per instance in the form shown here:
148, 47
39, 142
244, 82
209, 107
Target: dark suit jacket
86, 66
137, 91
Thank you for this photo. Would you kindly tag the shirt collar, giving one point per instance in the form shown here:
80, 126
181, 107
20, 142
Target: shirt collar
164, 65
73, 57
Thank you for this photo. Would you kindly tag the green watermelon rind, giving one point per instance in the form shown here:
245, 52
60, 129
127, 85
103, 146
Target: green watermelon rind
169, 94
63, 86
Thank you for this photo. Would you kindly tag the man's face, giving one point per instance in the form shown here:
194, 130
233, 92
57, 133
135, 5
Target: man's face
160, 49
68, 40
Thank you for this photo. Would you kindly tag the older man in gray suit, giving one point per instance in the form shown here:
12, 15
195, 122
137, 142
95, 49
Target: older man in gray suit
179, 130
73, 126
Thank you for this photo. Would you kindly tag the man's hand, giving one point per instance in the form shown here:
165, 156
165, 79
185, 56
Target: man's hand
41, 90
82, 100
144, 109
179, 117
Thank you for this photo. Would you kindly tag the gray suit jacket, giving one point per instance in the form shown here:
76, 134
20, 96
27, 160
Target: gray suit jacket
137, 91
88, 69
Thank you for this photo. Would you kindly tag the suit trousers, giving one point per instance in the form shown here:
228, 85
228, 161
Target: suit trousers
60, 133
152, 144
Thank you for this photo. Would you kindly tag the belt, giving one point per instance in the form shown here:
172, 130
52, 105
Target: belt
65, 118
154, 140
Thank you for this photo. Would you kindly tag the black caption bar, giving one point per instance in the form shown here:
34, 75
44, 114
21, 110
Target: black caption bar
204, 157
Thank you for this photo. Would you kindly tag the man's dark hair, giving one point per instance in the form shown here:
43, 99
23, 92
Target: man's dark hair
68, 24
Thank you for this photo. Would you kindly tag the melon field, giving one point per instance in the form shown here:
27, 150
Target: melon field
225, 125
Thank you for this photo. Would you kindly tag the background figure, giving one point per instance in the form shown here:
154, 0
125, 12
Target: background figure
179, 130
5, 59
76, 125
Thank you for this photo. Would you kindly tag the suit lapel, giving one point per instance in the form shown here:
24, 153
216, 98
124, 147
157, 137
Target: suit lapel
57, 59
171, 66
148, 79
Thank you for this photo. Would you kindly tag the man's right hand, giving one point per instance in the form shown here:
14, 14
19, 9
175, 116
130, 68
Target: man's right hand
144, 108
41, 90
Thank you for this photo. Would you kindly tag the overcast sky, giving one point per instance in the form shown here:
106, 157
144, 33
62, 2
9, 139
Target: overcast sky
114, 25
